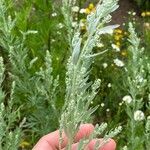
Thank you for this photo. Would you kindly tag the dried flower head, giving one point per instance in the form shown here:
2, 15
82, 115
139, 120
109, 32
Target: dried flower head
118, 62
139, 115
127, 99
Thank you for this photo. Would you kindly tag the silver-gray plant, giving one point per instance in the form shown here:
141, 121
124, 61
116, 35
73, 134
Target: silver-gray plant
79, 91
38, 89
10, 133
136, 84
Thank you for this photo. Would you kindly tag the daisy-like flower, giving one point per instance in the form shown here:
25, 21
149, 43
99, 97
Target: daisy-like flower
82, 11
60, 25
115, 47
138, 115
102, 104
105, 65
134, 13
75, 9
74, 24
125, 148
120, 104
54, 14
127, 99
109, 85
107, 110
118, 62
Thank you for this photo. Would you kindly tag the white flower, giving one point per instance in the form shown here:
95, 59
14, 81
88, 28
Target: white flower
138, 115
60, 25
100, 45
127, 99
102, 104
74, 24
109, 85
115, 47
58, 33
33, 8
139, 78
76, 18
107, 109
105, 65
54, 14
134, 13
129, 12
118, 62
120, 104
82, 11
82, 24
125, 148
75, 9
53, 40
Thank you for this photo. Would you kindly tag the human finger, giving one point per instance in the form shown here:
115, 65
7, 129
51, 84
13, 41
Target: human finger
111, 145
51, 140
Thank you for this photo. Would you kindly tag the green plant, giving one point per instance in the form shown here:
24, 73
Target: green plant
29, 90
143, 4
10, 133
79, 91
37, 77
137, 85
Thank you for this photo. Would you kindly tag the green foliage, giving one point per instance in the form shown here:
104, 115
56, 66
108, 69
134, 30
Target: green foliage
37, 45
143, 4
10, 133
79, 92
29, 78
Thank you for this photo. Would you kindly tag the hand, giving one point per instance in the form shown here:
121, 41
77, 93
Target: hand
51, 141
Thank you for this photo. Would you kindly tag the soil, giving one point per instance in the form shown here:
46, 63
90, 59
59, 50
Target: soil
121, 14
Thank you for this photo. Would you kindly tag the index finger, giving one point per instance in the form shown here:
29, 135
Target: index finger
51, 141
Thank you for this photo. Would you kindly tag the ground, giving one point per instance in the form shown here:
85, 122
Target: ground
120, 15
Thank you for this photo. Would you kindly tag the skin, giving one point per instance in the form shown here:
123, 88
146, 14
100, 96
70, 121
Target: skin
51, 140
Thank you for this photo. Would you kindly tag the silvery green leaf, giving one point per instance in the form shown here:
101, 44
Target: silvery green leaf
113, 8
3, 44
96, 146
31, 32
92, 26
85, 87
97, 54
107, 29
91, 17
90, 45
32, 62
99, 9
28, 32
106, 7
92, 110
75, 39
76, 51
11, 23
